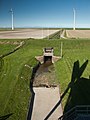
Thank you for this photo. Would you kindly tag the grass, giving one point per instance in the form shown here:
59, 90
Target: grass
77, 28
14, 83
55, 35
73, 51
15, 76
5, 48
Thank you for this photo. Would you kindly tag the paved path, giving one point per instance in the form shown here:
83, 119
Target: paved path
45, 100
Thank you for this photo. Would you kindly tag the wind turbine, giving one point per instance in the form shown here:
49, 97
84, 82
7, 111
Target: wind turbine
12, 18
74, 18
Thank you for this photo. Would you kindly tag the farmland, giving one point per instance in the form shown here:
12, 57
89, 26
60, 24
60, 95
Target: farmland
78, 33
15, 75
27, 33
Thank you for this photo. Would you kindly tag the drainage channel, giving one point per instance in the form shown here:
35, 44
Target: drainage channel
45, 93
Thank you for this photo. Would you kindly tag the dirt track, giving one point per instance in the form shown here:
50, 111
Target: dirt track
26, 33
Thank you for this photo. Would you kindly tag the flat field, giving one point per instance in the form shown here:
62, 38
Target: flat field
78, 33
26, 33
16, 68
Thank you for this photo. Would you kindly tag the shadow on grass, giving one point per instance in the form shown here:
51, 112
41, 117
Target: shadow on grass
32, 92
6, 116
1, 64
76, 81
79, 88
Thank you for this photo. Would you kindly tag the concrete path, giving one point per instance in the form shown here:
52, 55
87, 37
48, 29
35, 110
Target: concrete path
44, 102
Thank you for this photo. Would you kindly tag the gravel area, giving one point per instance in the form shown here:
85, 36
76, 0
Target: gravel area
45, 75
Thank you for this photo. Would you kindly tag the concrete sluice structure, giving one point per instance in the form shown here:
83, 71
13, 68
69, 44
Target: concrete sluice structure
48, 56
45, 89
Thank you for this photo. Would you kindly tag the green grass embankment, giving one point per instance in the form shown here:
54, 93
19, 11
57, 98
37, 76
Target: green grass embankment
14, 83
55, 35
5, 48
16, 72
74, 50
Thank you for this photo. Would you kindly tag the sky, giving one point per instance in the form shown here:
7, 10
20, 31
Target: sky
45, 13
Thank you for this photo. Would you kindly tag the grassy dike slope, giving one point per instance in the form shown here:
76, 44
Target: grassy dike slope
14, 83
74, 50
15, 75
15, 78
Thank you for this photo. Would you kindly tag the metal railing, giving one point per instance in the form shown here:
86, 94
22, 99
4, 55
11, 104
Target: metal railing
82, 110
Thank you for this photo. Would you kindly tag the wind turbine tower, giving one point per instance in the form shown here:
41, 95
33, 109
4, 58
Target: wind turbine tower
74, 18
12, 18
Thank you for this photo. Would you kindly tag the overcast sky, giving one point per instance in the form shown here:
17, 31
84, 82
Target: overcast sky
45, 13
